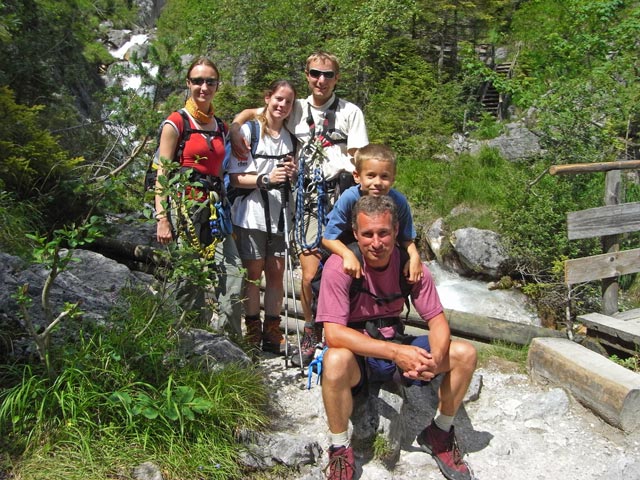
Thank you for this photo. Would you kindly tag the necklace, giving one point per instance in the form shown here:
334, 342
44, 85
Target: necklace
196, 113
273, 133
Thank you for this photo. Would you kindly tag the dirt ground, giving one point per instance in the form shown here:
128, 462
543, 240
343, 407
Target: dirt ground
515, 429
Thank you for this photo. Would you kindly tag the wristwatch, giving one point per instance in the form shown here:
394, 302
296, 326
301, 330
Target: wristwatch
263, 181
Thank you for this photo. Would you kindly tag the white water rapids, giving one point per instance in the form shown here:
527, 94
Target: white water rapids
473, 296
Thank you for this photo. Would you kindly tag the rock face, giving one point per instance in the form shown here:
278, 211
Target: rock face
378, 412
471, 252
515, 144
480, 252
149, 11
210, 350
92, 279
96, 282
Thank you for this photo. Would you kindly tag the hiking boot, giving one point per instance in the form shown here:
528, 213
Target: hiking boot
311, 339
341, 464
272, 339
253, 337
307, 347
443, 447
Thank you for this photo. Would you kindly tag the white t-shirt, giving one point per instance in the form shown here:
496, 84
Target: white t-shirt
349, 124
248, 211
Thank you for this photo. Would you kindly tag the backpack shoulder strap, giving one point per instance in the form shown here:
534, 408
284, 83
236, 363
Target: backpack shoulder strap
222, 128
294, 142
187, 129
185, 134
254, 127
356, 283
331, 114
405, 287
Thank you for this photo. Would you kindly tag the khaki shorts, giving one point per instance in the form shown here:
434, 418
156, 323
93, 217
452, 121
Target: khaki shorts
254, 245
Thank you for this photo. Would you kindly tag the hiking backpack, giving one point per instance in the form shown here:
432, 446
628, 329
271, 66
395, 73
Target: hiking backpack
184, 135
254, 126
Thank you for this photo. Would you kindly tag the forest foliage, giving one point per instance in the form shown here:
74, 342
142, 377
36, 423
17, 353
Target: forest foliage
413, 66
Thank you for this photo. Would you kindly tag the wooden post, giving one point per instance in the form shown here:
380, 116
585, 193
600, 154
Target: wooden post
611, 243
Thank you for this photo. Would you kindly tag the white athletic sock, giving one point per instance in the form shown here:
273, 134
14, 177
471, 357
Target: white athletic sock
443, 422
339, 439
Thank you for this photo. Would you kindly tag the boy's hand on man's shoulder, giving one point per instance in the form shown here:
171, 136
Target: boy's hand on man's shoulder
351, 265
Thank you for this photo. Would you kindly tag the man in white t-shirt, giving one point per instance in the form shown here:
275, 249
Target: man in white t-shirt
339, 128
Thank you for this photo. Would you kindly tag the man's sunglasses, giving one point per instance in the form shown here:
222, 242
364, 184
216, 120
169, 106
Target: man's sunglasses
328, 74
211, 82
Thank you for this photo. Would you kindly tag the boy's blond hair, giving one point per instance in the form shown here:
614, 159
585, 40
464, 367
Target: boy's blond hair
376, 151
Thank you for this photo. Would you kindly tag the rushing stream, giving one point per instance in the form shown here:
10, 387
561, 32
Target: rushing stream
473, 296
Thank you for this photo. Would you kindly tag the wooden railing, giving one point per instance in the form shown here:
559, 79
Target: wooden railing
606, 222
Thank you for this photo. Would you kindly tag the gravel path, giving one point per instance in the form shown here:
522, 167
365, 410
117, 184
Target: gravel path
514, 430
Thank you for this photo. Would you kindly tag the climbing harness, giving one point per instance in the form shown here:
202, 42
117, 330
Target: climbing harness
217, 223
311, 183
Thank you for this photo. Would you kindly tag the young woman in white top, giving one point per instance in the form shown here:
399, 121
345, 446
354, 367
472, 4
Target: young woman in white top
257, 213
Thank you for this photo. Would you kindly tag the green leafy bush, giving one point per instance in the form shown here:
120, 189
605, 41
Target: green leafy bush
411, 111
17, 218
123, 384
486, 128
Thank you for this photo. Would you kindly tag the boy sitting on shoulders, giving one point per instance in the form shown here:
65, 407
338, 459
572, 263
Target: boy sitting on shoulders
375, 174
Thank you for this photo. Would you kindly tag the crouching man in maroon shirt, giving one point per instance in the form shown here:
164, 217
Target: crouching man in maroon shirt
365, 338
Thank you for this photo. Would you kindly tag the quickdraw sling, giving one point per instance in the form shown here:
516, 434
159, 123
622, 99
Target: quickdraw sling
217, 223
311, 182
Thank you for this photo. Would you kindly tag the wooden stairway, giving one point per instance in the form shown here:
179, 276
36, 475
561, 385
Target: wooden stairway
491, 100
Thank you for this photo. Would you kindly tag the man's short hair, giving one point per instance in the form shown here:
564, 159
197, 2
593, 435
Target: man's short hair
372, 206
324, 56
374, 151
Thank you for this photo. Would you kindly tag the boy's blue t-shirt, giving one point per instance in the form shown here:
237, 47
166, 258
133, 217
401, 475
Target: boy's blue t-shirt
339, 220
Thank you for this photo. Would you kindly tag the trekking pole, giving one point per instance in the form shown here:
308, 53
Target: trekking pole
289, 278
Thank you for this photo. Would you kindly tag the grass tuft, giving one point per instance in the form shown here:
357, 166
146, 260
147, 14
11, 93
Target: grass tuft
516, 354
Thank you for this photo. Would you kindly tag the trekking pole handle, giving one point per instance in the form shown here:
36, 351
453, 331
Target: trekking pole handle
285, 189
